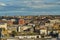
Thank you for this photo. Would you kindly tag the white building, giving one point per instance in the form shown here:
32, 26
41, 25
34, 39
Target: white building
43, 31
55, 20
22, 28
49, 24
12, 38
3, 25
28, 36
4, 19
13, 20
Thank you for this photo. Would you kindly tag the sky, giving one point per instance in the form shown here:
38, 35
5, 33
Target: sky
29, 7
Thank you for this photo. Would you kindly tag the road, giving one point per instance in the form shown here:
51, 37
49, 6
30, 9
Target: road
33, 39
41, 39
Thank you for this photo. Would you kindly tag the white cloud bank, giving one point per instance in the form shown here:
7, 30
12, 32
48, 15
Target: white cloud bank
39, 4
2, 4
33, 3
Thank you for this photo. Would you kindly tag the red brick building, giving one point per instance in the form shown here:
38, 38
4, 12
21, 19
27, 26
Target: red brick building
21, 21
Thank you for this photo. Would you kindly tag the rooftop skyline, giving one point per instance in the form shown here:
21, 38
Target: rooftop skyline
29, 7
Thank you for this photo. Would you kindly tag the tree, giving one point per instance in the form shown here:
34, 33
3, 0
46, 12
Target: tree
0, 32
14, 33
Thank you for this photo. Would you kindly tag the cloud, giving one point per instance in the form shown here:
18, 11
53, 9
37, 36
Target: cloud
37, 3
41, 3
58, 2
34, 3
31, 7
2, 4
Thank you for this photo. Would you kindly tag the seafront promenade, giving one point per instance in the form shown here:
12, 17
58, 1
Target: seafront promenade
32, 39
25, 38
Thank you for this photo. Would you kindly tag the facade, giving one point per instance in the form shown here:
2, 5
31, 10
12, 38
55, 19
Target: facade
13, 39
23, 28
19, 29
55, 21
9, 22
3, 25
12, 28
21, 21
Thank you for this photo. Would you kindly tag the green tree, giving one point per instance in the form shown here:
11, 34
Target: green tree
14, 33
